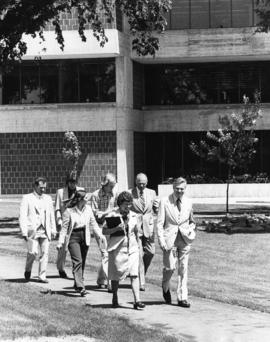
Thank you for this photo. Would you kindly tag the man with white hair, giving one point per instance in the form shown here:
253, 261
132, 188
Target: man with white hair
102, 201
176, 231
145, 204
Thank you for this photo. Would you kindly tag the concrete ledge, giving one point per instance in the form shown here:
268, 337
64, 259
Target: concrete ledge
242, 190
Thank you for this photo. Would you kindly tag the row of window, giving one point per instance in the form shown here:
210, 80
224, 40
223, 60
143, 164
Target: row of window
166, 84
198, 14
60, 81
205, 83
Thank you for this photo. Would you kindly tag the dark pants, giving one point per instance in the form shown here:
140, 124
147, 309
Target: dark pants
78, 252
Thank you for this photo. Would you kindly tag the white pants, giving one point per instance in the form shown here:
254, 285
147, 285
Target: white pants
176, 257
102, 278
61, 258
35, 246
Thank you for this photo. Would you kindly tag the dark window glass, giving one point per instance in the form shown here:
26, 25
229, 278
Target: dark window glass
31, 91
249, 81
220, 11
206, 83
11, 86
265, 83
200, 14
49, 83
108, 85
180, 15
60, 81
242, 13
172, 153
69, 82
211, 13
97, 82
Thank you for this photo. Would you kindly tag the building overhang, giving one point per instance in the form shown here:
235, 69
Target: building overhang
74, 46
210, 45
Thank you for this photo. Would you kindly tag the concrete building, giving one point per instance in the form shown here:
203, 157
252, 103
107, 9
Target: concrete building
133, 114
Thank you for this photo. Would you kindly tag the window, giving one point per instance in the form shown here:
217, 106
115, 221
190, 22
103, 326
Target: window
205, 83
38, 82
180, 15
200, 14
203, 14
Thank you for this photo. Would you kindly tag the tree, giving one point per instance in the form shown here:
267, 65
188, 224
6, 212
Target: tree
263, 11
31, 17
71, 151
234, 143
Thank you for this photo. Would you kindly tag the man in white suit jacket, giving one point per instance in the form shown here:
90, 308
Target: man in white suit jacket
145, 204
176, 231
62, 198
37, 223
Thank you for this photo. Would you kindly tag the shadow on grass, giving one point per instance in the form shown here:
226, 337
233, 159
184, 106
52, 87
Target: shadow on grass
58, 277
16, 280
8, 219
11, 233
109, 306
8, 225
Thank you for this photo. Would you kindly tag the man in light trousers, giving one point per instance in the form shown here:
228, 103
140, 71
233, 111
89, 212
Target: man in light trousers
37, 224
176, 231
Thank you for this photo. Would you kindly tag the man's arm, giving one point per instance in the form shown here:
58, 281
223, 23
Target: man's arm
96, 228
23, 219
94, 204
52, 217
156, 201
192, 221
160, 225
65, 226
58, 214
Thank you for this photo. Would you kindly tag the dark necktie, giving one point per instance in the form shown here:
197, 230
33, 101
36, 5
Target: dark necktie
142, 201
178, 203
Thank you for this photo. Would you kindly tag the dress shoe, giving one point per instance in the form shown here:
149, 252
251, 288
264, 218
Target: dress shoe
142, 288
167, 297
184, 303
83, 292
27, 275
138, 305
44, 281
62, 274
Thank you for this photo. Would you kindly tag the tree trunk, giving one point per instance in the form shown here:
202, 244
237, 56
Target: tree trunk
227, 191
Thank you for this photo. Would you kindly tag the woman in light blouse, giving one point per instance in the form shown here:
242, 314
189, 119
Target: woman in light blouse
78, 220
123, 249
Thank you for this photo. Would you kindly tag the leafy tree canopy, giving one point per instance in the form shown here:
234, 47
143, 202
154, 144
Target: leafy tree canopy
263, 11
31, 17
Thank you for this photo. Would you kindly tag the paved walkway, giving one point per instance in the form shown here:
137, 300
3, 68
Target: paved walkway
205, 321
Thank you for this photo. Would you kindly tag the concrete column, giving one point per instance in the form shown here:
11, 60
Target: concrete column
124, 131
1, 87
125, 159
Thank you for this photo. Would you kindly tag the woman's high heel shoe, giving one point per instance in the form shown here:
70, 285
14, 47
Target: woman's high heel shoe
138, 305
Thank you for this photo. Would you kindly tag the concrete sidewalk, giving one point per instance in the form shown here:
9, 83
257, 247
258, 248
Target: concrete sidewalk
205, 321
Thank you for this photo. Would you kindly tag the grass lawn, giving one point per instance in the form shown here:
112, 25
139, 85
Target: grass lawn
25, 311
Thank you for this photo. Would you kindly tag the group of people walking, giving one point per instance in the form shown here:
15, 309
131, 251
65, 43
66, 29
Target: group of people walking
123, 224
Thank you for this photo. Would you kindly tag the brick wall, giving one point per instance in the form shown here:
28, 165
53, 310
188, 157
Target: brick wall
25, 156
69, 21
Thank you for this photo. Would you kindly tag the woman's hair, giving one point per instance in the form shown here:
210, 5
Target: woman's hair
124, 196
78, 195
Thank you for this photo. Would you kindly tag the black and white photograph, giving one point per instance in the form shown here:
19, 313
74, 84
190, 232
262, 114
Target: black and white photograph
134, 170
